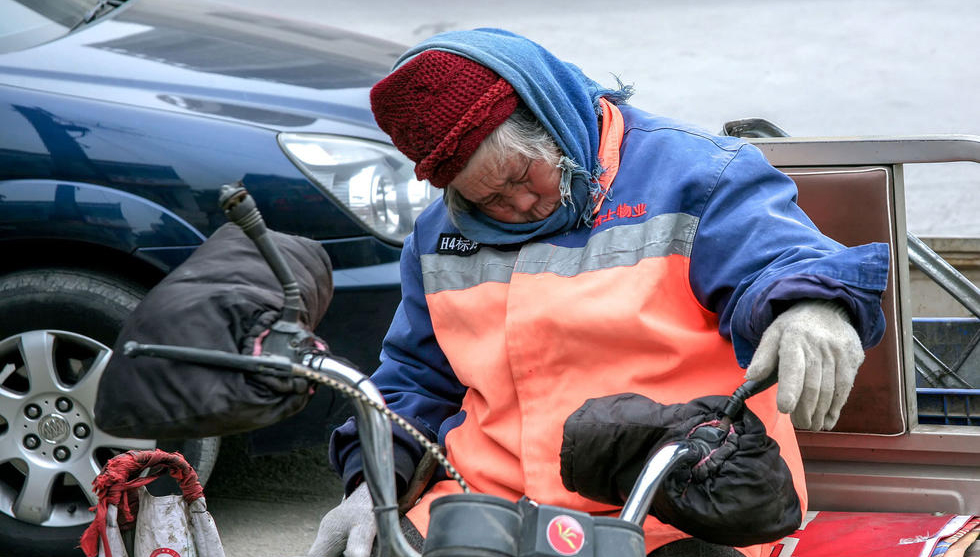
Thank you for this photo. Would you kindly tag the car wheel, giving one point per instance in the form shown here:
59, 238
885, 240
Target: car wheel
57, 326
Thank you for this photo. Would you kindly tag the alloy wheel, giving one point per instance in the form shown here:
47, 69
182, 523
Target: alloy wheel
50, 447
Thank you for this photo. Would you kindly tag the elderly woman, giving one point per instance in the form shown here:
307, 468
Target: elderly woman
587, 248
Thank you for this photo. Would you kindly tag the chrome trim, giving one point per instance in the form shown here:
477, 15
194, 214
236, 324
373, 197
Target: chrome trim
836, 151
654, 471
903, 295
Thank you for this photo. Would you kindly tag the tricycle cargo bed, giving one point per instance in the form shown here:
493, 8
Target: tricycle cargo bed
908, 439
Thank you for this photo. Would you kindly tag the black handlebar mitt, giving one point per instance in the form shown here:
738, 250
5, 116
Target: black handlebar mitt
224, 297
741, 494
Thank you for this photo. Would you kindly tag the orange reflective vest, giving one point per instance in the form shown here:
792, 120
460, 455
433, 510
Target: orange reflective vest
533, 333
694, 247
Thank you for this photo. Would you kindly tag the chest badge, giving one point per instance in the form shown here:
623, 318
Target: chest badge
456, 244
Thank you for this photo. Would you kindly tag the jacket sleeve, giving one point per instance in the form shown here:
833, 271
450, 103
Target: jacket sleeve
755, 252
414, 376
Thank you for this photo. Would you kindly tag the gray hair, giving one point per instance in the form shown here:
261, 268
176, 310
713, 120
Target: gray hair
521, 133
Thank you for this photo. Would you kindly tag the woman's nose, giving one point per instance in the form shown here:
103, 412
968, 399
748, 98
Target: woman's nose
522, 201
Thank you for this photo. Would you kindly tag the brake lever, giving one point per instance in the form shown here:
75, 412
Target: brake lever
278, 366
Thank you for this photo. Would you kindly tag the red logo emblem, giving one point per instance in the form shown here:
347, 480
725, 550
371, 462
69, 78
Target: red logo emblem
565, 535
164, 551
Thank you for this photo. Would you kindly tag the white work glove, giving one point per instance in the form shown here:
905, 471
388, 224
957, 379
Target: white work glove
817, 352
348, 529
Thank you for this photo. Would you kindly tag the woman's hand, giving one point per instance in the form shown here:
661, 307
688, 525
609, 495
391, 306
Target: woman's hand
348, 529
817, 353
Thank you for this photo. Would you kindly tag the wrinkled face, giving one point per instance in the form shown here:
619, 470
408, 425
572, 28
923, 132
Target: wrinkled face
517, 191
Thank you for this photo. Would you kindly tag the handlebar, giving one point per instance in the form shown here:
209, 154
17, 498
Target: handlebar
280, 357
373, 428
654, 471
375, 431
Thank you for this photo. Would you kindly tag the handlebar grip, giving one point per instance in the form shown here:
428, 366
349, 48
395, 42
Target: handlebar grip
736, 403
240, 209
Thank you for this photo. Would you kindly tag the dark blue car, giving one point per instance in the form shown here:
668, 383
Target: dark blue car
119, 121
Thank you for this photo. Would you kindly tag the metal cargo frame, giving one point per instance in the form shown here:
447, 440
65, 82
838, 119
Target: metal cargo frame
880, 458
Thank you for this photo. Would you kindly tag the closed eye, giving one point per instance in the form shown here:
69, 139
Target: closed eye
524, 175
492, 201
496, 200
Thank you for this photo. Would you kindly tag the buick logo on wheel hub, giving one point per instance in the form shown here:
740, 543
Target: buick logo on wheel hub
53, 428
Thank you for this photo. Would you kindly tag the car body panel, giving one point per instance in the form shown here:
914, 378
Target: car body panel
60, 210
173, 160
196, 59
115, 140
136, 157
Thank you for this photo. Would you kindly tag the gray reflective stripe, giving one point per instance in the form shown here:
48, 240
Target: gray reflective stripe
616, 247
454, 272
663, 235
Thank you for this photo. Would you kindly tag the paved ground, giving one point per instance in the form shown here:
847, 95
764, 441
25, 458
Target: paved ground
815, 67
270, 506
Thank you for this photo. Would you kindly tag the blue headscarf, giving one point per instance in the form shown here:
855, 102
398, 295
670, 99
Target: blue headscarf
564, 100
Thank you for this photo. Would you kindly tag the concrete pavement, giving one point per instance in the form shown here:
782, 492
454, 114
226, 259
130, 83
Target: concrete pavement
270, 506
814, 67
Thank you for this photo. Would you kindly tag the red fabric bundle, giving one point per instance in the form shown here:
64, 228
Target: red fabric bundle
117, 485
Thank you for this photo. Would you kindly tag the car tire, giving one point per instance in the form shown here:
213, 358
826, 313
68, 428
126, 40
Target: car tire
63, 322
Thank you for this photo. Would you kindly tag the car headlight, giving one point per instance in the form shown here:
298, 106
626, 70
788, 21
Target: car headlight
373, 180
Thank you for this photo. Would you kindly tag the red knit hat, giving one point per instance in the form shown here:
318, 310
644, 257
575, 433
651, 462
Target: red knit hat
438, 108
